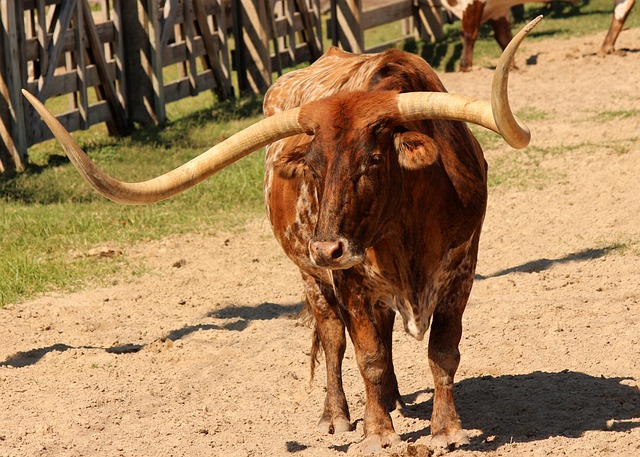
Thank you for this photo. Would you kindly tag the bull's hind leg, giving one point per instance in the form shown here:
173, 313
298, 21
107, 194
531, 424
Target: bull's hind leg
329, 330
444, 357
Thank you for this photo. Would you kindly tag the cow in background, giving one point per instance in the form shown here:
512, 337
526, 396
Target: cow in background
474, 13
621, 11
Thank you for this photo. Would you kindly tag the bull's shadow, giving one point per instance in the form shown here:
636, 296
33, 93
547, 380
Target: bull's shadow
536, 406
544, 264
243, 314
264, 311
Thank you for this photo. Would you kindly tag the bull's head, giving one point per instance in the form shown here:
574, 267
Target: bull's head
355, 153
408, 107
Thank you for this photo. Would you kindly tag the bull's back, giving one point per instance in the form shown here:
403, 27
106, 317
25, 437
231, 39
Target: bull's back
340, 71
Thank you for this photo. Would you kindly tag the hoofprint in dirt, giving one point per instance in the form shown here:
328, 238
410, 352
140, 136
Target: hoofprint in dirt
204, 355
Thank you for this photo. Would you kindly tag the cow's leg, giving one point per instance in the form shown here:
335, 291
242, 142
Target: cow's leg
372, 355
444, 357
502, 31
471, 18
620, 12
329, 329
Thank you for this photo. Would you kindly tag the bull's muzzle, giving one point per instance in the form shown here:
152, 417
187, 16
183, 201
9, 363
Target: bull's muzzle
334, 254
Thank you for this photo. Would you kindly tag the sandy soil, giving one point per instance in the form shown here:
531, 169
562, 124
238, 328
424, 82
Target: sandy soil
204, 355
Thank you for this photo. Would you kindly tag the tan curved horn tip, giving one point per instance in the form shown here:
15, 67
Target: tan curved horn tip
268, 130
77, 156
515, 133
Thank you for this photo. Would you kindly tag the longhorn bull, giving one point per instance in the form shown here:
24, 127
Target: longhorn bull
377, 191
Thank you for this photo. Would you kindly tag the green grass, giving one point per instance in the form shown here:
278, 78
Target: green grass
49, 218
562, 20
605, 116
48, 214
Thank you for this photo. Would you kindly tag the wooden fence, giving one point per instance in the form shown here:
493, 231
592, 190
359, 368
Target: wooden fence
121, 61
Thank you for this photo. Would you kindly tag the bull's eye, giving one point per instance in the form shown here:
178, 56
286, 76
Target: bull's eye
376, 159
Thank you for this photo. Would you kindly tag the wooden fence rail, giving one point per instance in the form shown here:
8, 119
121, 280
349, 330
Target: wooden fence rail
121, 61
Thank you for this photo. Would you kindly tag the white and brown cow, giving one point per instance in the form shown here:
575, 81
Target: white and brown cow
377, 191
474, 13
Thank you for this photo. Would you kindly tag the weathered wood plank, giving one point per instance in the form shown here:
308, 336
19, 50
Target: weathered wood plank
54, 49
153, 62
13, 29
10, 160
106, 88
168, 19
384, 14
80, 97
119, 48
348, 27
315, 47
106, 32
181, 88
254, 64
67, 82
428, 19
210, 59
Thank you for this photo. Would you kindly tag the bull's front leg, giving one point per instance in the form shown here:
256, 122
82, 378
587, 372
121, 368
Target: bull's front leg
373, 356
329, 329
444, 357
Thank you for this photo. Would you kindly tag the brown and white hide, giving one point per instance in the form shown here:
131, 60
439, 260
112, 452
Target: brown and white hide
382, 218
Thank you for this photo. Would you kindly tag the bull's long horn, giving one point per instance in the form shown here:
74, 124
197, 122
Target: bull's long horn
258, 135
496, 116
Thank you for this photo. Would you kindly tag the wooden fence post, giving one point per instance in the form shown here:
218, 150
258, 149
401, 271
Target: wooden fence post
143, 64
224, 89
428, 19
253, 59
13, 131
346, 25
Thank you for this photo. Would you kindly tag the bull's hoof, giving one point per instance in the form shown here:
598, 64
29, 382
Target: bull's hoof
450, 440
331, 425
376, 443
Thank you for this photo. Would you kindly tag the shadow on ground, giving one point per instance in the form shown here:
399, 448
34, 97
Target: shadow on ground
536, 266
239, 317
537, 406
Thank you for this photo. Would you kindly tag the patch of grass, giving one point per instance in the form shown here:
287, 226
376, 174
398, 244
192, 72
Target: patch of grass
531, 114
519, 171
48, 213
624, 244
605, 116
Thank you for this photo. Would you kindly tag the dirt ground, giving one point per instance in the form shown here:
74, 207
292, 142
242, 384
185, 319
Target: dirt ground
203, 354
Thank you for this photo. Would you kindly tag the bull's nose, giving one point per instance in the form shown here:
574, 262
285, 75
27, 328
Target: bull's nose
334, 254
325, 253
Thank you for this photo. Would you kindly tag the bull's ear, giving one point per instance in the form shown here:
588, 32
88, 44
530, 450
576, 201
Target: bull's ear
415, 150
